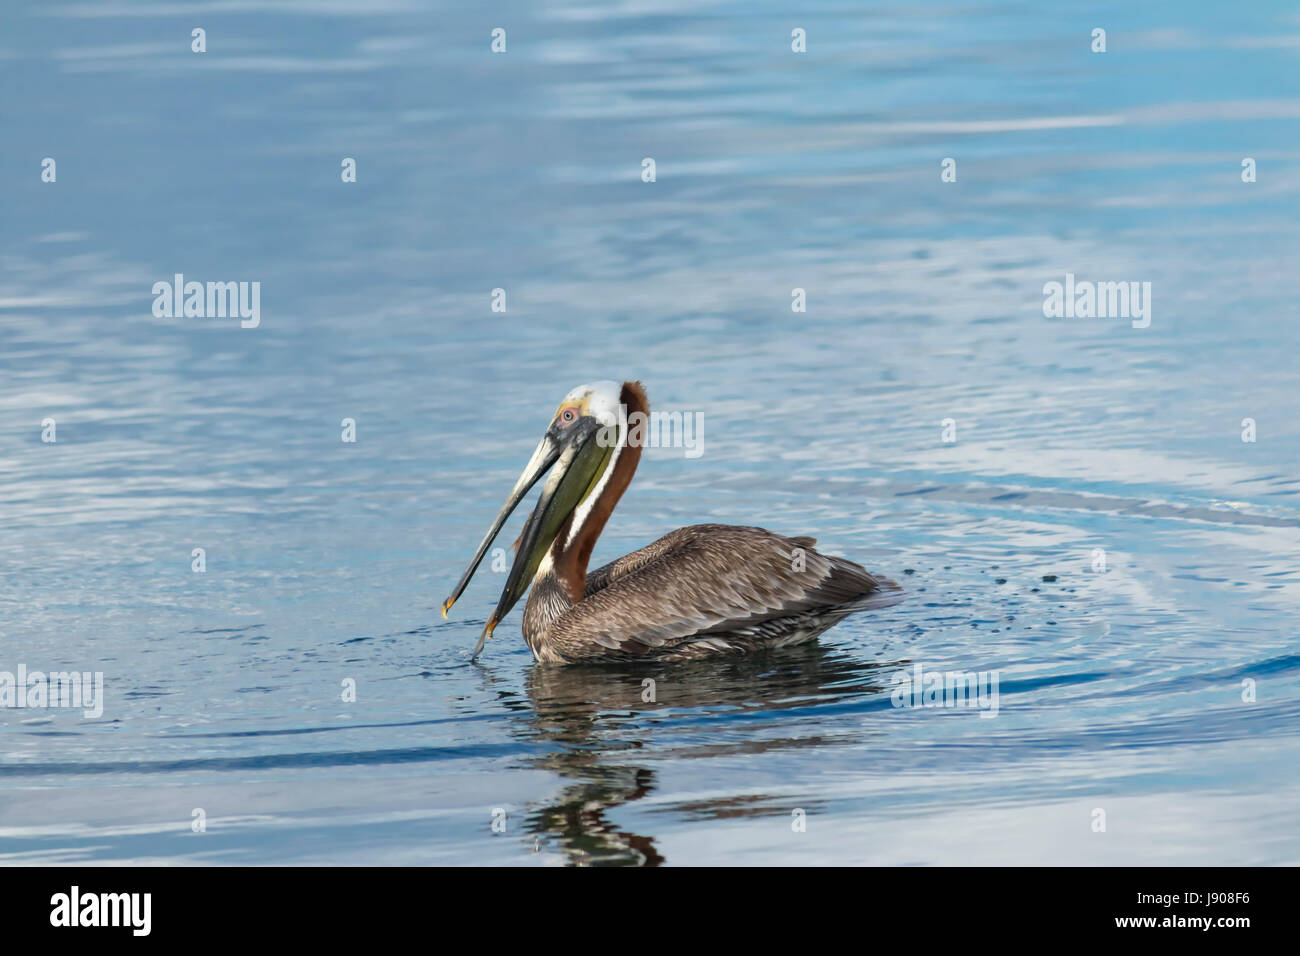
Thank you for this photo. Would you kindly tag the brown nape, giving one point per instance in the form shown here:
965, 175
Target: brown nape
571, 563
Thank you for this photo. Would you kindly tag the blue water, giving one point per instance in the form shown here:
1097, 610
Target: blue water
1121, 690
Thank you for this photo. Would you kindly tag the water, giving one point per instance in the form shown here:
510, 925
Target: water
1120, 690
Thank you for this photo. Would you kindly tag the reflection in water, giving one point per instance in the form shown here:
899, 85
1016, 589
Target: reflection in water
594, 717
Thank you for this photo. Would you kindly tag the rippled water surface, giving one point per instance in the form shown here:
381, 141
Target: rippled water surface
1120, 689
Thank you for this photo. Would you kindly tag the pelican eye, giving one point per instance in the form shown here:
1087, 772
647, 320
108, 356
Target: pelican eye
569, 416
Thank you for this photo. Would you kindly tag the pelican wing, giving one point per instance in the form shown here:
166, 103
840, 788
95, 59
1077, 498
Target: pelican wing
705, 583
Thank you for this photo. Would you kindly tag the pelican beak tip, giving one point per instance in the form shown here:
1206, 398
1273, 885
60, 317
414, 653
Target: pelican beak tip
483, 638
446, 606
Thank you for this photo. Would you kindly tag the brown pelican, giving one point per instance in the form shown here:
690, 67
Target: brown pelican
701, 590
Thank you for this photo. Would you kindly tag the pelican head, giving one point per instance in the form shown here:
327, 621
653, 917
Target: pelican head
579, 443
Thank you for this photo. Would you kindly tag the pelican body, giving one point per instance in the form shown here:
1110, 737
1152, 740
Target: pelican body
699, 591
